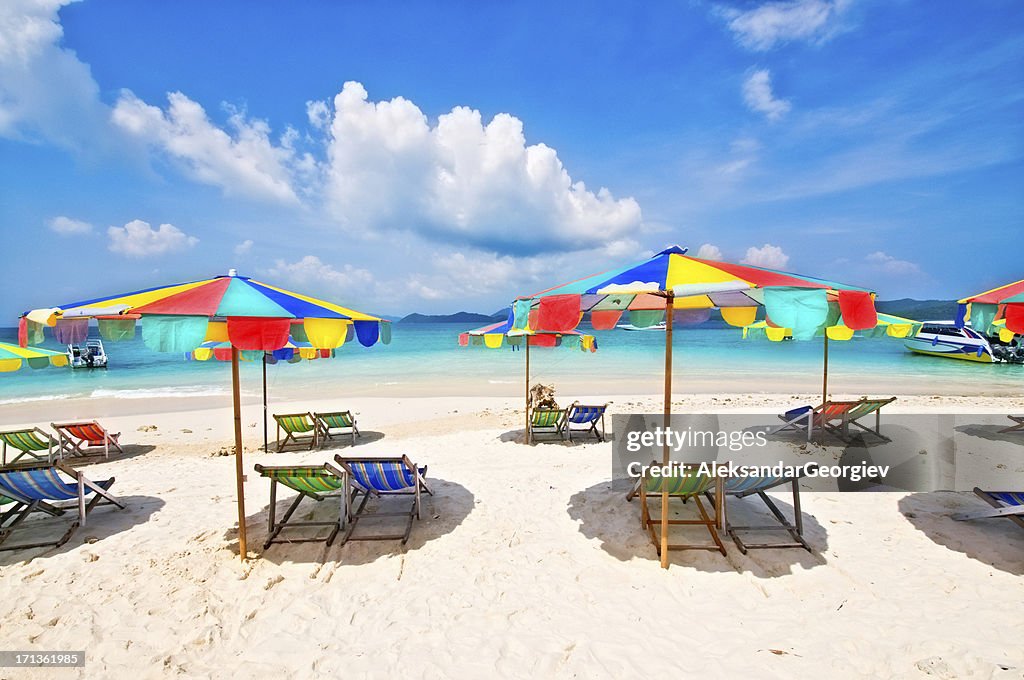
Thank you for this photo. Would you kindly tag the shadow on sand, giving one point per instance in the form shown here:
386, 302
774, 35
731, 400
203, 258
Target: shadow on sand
130, 451
519, 437
337, 441
604, 514
996, 542
993, 434
440, 515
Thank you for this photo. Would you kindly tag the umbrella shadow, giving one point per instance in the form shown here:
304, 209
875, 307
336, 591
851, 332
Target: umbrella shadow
440, 514
519, 437
997, 542
603, 514
103, 522
94, 457
344, 441
992, 433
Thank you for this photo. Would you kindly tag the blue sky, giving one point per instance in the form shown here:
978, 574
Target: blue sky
444, 156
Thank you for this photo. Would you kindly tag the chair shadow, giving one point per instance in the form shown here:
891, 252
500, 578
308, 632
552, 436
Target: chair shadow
103, 522
344, 441
440, 515
519, 437
993, 434
604, 514
94, 457
996, 541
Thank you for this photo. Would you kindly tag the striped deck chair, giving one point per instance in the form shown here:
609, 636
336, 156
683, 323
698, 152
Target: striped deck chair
684, 487
1018, 425
30, 442
864, 408
340, 421
547, 421
381, 477
315, 482
811, 418
53, 489
300, 429
585, 418
742, 487
1008, 504
76, 438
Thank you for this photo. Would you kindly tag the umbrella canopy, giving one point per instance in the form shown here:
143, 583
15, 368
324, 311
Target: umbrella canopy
673, 286
247, 314
1005, 303
13, 357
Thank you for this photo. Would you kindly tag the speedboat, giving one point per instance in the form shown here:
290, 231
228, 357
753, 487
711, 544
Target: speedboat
945, 339
631, 327
89, 355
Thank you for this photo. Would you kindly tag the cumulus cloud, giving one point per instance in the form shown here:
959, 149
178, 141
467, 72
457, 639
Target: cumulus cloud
244, 248
775, 23
758, 95
139, 239
767, 255
888, 264
245, 161
311, 271
66, 226
708, 251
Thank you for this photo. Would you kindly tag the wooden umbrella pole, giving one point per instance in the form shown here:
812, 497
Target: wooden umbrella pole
526, 339
824, 384
669, 314
266, 441
239, 476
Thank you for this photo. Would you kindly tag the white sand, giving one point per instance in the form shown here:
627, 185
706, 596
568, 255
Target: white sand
525, 565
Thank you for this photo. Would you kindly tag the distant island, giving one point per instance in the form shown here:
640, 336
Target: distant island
457, 317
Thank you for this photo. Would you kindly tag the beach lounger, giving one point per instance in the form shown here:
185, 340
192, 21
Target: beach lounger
342, 422
742, 487
548, 421
1008, 504
315, 482
585, 419
1018, 425
684, 487
835, 417
380, 477
864, 408
76, 439
300, 429
52, 489
30, 442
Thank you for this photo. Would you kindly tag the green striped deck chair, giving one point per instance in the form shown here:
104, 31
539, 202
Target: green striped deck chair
316, 482
29, 442
300, 431
689, 484
547, 421
864, 408
336, 423
379, 477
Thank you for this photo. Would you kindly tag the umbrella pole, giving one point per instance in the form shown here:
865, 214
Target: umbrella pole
824, 373
669, 309
239, 477
526, 339
266, 442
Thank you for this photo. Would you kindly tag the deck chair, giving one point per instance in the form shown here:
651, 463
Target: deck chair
300, 429
1018, 425
316, 482
30, 442
864, 408
685, 487
76, 439
52, 489
342, 422
547, 421
742, 487
585, 419
381, 477
1008, 504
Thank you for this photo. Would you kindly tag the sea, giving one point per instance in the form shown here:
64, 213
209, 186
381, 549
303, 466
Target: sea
426, 360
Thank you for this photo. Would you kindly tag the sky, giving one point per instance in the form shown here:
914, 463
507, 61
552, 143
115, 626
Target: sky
446, 156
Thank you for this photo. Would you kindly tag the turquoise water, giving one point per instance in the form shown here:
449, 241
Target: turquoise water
426, 359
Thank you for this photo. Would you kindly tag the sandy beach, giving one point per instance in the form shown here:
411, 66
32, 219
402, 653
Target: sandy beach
525, 564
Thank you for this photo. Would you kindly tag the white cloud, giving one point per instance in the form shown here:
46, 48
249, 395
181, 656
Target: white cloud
709, 252
311, 271
768, 256
65, 226
244, 248
888, 264
245, 162
776, 23
139, 239
757, 93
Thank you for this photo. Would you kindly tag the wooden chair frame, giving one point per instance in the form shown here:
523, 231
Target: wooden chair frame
354, 515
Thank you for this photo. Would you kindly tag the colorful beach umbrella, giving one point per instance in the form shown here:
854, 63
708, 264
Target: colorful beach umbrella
13, 357
674, 287
1005, 303
497, 335
247, 314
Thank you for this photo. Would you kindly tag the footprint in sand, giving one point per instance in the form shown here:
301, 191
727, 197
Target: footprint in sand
271, 582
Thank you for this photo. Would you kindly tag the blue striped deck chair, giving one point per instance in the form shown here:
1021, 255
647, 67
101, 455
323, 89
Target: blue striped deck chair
585, 418
1008, 504
690, 484
340, 422
52, 489
379, 477
743, 487
316, 482
31, 442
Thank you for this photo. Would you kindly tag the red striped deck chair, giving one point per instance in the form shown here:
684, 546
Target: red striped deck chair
336, 424
80, 439
300, 429
316, 482
380, 477
31, 442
